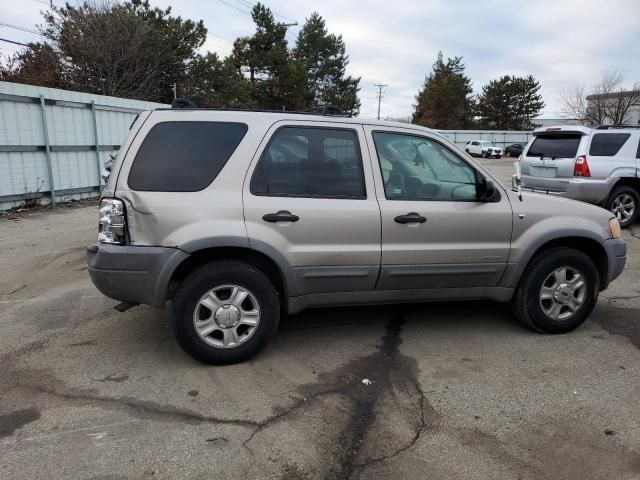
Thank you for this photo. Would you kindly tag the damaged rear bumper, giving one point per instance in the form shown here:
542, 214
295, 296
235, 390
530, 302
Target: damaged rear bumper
133, 274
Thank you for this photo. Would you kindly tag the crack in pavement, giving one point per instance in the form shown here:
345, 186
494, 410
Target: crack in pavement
360, 436
141, 408
422, 426
391, 373
395, 373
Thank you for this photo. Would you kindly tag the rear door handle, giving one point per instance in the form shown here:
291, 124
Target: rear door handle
412, 217
281, 216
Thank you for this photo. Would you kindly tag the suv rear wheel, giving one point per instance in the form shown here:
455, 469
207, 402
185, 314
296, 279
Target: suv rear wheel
558, 291
225, 312
624, 204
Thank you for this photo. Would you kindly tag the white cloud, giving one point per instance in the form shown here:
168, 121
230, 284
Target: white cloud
560, 42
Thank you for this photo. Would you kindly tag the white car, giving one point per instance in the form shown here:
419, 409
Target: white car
483, 148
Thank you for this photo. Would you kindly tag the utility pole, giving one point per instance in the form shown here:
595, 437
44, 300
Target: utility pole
380, 87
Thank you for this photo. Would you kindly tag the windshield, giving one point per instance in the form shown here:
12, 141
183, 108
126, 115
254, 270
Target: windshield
487, 144
555, 146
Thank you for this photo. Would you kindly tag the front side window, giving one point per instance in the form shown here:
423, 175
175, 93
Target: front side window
416, 168
607, 144
184, 156
311, 162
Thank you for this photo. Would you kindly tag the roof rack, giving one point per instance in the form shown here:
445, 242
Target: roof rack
332, 110
327, 110
607, 127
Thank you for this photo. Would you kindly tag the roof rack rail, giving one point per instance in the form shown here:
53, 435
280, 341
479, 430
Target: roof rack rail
327, 110
608, 126
183, 103
330, 110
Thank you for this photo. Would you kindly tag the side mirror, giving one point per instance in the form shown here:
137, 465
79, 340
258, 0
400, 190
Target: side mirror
487, 191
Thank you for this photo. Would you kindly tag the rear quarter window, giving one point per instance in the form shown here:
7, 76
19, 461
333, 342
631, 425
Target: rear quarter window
555, 146
607, 144
184, 156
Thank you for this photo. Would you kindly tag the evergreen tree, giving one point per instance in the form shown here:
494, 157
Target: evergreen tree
265, 60
509, 103
323, 58
37, 64
212, 82
445, 102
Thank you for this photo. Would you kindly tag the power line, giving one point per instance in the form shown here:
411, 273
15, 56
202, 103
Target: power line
250, 4
380, 87
22, 29
14, 42
234, 7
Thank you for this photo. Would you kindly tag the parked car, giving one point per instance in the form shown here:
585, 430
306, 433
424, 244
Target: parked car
483, 148
238, 217
514, 150
599, 166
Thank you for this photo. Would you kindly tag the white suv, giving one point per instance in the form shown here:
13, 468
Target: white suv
483, 148
599, 166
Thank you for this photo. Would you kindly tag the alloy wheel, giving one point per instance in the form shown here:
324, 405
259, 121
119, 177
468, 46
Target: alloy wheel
226, 316
623, 207
563, 293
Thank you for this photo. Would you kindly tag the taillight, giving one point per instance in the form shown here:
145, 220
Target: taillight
111, 225
581, 168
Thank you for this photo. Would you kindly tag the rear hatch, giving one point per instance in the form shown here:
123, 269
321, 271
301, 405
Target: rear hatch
549, 161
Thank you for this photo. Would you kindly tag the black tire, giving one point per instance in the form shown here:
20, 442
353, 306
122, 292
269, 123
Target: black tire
526, 302
618, 192
208, 277
484, 155
467, 150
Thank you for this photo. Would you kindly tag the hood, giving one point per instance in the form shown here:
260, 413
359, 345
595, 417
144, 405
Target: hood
538, 212
538, 207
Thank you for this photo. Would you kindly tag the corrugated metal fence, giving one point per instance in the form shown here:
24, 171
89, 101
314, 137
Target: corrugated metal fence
54, 142
501, 138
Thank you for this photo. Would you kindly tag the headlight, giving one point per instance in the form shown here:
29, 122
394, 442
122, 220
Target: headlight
614, 227
111, 224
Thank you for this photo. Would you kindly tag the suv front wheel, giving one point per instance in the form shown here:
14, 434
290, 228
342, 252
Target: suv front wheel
225, 312
558, 291
624, 203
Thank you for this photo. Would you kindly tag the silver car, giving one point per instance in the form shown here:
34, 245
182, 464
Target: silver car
599, 166
237, 217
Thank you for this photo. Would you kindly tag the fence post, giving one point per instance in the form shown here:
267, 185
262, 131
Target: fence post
47, 150
97, 143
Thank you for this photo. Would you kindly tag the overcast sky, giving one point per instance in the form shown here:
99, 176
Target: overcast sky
560, 42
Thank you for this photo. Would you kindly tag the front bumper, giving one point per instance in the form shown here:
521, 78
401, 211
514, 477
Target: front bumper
133, 274
616, 250
590, 190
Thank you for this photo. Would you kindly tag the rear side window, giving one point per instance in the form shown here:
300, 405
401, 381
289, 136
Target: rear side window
311, 162
184, 156
607, 144
555, 146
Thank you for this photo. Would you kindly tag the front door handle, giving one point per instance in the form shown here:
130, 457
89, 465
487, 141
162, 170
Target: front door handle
281, 216
412, 217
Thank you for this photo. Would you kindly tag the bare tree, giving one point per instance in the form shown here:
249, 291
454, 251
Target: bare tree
607, 101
